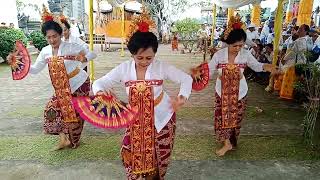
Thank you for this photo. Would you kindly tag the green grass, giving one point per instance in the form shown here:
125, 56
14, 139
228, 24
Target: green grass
186, 147
275, 114
269, 114
198, 113
29, 111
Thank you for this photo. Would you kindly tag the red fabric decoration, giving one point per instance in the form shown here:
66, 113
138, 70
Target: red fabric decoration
143, 27
48, 18
236, 26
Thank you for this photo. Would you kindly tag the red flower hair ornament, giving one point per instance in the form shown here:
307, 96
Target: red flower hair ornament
234, 23
46, 16
237, 26
143, 27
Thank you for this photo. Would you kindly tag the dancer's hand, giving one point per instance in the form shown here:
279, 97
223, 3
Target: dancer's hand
270, 68
81, 57
10, 58
106, 93
177, 103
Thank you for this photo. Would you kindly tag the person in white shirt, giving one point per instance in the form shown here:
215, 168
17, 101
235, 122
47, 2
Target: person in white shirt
231, 87
252, 34
75, 30
294, 55
143, 77
68, 79
288, 42
68, 37
265, 32
203, 37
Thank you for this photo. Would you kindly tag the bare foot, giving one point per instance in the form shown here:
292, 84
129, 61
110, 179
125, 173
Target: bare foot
223, 150
269, 89
62, 144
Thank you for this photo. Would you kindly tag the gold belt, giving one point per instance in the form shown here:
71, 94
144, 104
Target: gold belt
158, 99
74, 73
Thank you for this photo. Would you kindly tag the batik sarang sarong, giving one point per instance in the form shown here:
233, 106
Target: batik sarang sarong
228, 109
144, 151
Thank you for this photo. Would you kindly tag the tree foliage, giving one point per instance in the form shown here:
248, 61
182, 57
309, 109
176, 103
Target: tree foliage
8, 37
38, 40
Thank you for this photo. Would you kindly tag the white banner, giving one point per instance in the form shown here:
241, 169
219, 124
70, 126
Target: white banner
234, 3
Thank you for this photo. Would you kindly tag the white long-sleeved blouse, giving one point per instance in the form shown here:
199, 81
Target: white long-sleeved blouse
243, 57
77, 40
65, 49
157, 70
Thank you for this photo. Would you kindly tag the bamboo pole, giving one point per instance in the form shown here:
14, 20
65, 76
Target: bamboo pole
214, 14
277, 36
91, 65
122, 32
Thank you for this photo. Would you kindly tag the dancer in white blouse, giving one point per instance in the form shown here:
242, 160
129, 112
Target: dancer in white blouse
64, 62
147, 143
231, 86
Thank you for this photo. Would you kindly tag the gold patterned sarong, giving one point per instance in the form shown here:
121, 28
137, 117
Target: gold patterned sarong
60, 82
230, 82
143, 156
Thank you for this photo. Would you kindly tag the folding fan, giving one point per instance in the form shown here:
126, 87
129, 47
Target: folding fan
105, 111
200, 76
21, 62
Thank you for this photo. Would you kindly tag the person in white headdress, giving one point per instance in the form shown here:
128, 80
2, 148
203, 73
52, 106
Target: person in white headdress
75, 29
252, 33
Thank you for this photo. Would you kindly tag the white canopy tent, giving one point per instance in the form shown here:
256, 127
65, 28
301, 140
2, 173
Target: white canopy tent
133, 6
234, 3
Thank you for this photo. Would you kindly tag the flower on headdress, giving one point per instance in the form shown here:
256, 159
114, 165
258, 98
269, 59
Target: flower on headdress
143, 27
63, 18
237, 25
47, 18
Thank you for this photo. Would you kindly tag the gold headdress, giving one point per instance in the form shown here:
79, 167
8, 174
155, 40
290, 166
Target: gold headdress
141, 22
47, 16
234, 23
62, 18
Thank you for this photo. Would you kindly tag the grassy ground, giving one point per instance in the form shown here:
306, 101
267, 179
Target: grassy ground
186, 148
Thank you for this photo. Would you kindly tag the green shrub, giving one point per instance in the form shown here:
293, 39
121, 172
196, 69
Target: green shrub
38, 40
8, 37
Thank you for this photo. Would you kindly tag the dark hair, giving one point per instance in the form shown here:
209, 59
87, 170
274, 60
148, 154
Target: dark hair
236, 35
270, 45
51, 25
294, 37
66, 24
260, 46
142, 40
306, 28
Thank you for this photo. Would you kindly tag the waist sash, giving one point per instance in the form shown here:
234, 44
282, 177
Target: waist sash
60, 82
